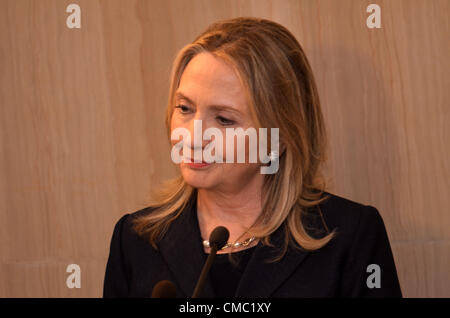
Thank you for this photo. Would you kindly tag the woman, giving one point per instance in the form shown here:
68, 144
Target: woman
288, 236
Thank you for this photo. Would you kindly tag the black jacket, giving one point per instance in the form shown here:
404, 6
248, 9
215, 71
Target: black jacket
340, 269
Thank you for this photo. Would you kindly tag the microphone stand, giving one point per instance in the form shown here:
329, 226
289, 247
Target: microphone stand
205, 271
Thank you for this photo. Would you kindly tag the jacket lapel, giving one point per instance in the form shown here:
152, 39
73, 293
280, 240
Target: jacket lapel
182, 249
261, 278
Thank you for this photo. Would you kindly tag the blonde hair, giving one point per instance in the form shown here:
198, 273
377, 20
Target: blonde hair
281, 92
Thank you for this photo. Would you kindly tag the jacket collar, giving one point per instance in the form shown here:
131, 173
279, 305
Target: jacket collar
182, 249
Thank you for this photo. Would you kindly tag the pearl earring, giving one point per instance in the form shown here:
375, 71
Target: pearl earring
273, 155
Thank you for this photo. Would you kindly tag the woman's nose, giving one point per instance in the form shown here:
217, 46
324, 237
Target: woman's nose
196, 129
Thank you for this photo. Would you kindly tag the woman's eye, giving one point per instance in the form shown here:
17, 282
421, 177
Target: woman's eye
224, 121
183, 108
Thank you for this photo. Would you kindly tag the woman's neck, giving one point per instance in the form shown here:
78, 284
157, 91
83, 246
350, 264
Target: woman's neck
235, 210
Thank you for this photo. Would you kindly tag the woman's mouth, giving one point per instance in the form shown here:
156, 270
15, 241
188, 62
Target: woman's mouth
197, 165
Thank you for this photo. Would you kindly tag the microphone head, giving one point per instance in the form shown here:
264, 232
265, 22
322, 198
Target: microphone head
164, 289
219, 237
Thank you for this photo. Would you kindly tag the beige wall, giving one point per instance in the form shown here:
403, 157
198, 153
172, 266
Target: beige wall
82, 137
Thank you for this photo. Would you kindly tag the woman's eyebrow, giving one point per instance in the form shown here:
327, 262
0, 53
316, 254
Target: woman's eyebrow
180, 95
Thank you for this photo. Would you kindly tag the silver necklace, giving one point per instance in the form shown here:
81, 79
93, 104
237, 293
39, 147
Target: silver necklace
235, 244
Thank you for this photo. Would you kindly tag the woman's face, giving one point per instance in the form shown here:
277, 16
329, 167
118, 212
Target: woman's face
207, 82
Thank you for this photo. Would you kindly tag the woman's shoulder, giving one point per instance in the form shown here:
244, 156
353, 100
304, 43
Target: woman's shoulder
343, 214
143, 212
125, 225
361, 243
334, 204
347, 215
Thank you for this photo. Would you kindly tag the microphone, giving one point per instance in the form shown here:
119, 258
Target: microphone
164, 289
218, 238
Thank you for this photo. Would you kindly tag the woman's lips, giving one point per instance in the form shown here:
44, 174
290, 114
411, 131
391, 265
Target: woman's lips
197, 164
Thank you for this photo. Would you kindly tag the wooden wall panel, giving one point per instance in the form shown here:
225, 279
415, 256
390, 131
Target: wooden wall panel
82, 136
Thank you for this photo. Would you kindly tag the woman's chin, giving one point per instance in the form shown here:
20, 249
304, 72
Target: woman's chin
198, 183
197, 178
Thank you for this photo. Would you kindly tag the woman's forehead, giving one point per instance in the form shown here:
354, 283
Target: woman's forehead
208, 79
208, 71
